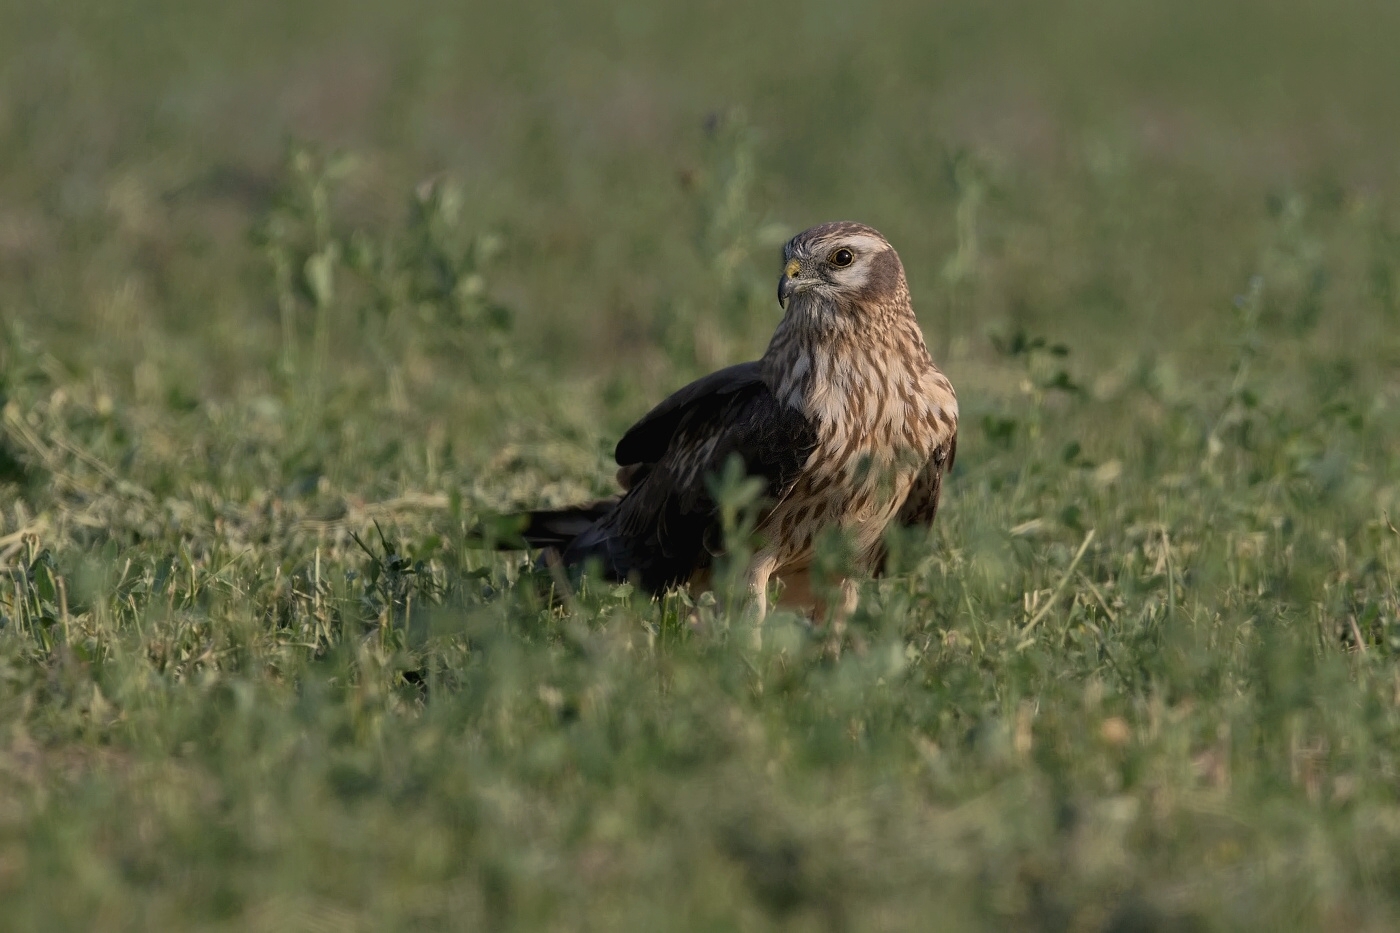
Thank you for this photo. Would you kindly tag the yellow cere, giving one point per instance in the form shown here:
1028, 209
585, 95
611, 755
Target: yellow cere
792, 268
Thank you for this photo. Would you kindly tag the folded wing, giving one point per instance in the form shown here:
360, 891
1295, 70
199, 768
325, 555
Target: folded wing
657, 533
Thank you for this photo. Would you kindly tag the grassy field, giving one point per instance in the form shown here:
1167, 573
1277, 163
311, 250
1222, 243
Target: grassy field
294, 295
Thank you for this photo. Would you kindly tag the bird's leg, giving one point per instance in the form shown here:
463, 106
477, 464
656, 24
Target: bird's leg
760, 571
850, 598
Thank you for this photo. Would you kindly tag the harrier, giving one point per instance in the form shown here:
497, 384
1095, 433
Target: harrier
845, 421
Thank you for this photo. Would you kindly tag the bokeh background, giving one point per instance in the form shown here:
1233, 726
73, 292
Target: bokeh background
1120, 168
295, 298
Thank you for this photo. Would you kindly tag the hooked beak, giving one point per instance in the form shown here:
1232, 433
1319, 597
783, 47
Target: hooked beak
787, 284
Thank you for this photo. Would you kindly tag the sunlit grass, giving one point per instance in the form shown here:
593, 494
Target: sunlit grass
272, 351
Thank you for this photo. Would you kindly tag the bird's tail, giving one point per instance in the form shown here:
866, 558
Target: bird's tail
557, 528
568, 539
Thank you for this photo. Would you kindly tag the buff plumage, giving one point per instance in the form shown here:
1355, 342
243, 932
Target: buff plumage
845, 419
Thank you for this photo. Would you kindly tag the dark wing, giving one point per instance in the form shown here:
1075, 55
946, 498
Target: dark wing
648, 440
922, 505
920, 508
557, 527
657, 534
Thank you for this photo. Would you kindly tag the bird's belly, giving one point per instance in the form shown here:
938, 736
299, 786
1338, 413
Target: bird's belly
860, 503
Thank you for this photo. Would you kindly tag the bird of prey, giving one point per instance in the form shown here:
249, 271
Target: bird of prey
845, 421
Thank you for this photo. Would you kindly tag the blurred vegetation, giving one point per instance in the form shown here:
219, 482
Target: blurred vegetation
293, 295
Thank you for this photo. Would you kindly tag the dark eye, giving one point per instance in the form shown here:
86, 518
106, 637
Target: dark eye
841, 258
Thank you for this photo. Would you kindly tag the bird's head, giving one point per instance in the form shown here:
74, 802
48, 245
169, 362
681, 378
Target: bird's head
840, 263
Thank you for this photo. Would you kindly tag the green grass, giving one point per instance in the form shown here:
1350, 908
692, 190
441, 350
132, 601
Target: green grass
293, 296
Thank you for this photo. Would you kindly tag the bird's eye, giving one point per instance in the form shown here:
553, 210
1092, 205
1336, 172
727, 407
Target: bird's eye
841, 258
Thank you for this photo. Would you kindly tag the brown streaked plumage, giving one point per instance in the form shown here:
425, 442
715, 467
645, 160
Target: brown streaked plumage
845, 419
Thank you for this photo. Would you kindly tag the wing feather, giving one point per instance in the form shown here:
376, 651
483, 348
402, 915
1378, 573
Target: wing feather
921, 506
657, 534
648, 440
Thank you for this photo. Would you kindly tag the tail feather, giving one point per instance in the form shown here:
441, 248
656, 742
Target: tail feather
572, 537
558, 528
